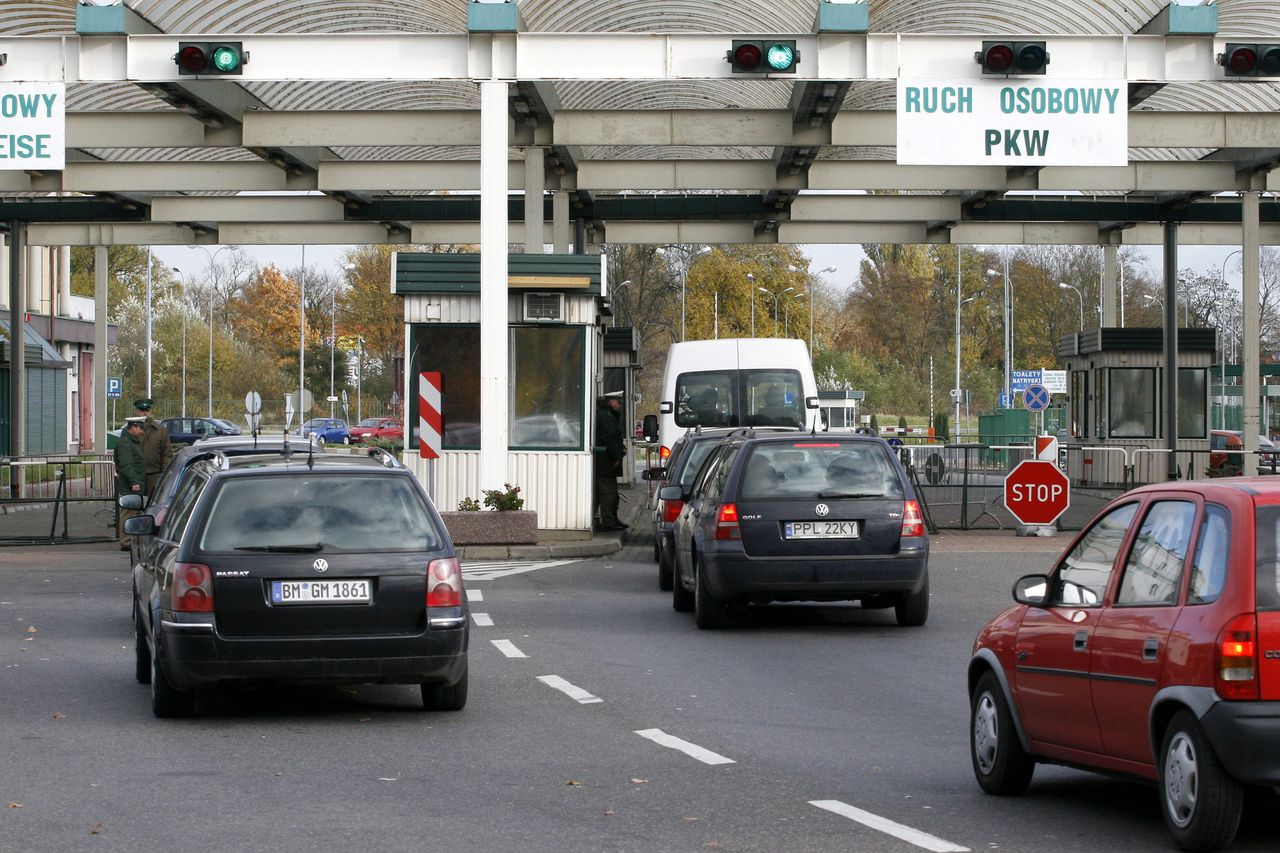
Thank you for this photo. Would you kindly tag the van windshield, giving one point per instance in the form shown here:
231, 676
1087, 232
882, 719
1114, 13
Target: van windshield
751, 397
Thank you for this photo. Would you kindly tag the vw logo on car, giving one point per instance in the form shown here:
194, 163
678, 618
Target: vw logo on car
822, 510
321, 565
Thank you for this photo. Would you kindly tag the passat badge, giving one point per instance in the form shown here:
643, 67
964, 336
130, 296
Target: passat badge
821, 510
321, 565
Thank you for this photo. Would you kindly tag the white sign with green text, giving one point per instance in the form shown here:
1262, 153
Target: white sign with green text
33, 126
1009, 122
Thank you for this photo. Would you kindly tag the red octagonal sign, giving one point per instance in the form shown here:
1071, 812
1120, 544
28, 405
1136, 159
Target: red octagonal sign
1037, 492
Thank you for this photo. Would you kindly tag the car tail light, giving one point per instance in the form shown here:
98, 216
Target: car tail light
671, 511
1237, 659
912, 519
664, 453
727, 522
192, 588
444, 583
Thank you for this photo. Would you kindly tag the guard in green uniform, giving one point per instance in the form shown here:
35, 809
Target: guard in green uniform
131, 471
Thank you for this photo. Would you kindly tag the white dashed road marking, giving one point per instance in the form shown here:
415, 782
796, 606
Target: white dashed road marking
905, 833
482, 620
692, 750
475, 596
508, 648
568, 689
492, 571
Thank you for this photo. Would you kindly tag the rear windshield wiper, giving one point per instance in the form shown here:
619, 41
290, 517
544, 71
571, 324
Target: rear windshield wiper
284, 549
850, 494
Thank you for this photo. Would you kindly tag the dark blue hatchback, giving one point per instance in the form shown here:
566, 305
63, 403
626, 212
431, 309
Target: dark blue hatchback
800, 517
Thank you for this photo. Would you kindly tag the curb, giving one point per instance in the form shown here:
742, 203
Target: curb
597, 546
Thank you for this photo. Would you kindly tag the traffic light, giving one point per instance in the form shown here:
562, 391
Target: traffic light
1250, 60
763, 56
1012, 57
210, 58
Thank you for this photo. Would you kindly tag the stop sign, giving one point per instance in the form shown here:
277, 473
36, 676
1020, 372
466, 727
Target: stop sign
1037, 492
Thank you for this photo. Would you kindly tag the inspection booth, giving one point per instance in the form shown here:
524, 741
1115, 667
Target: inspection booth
1116, 402
838, 409
557, 305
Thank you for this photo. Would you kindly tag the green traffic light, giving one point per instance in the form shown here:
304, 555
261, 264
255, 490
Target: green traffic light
226, 59
780, 56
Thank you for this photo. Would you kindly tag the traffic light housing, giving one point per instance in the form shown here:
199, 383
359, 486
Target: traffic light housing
763, 56
210, 58
1246, 59
1012, 57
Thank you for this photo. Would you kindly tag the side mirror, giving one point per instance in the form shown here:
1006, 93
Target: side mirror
654, 474
811, 402
671, 493
666, 407
130, 501
1031, 589
140, 525
650, 427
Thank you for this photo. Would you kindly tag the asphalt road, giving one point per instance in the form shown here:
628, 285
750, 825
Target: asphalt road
599, 719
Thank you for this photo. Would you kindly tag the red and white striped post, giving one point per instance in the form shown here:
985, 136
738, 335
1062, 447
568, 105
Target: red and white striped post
430, 422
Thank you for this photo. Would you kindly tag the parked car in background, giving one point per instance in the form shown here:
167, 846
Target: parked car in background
230, 427
326, 430
299, 569
1151, 649
1223, 462
682, 467
799, 517
386, 429
191, 430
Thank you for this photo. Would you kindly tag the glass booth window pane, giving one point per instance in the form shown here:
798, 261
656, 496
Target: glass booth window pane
1132, 397
546, 387
1193, 403
453, 351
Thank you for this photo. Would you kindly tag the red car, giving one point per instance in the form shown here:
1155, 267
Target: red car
388, 429
1151, 649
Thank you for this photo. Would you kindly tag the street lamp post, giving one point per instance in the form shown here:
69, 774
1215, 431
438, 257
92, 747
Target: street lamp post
212, 257
1008, 333
751, 280
786, 315
333, 334
359, 380
184, 340
811, 301
1222, 345
1062, 285
684, 277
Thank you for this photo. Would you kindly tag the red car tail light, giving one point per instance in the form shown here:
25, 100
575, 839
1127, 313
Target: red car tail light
727, 522
664, 453
671, 510
444, 583
912, 519
1236, 670
192, 588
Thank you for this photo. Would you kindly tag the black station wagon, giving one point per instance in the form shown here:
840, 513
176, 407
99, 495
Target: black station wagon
800, 517
299, 568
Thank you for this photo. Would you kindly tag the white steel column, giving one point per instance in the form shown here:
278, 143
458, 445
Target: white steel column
1249, 362
63, 307
494, 363
1109, 288
560, 221
534, 184
100, 349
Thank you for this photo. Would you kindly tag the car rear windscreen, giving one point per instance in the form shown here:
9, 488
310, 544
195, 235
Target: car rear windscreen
341, 512
820, 469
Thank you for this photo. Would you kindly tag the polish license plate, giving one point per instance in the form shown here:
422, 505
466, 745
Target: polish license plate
820, 530
330, 591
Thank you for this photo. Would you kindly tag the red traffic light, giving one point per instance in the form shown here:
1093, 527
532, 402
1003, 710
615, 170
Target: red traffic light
747, 56
1012, 57
1250, 60
192, 59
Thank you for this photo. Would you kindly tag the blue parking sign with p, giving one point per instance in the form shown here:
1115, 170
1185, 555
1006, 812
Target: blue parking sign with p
115, 387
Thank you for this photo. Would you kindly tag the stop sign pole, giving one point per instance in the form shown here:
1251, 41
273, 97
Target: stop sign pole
1037, 492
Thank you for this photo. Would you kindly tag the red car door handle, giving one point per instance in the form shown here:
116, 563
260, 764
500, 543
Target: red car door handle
1082, 641
1150, 649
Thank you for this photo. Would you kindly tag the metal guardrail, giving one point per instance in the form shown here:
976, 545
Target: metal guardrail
57, 499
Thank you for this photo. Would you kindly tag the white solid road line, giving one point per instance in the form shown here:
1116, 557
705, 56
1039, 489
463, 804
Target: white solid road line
508, 648
475, 596
482, 620
568, 689
692, 750
897, 830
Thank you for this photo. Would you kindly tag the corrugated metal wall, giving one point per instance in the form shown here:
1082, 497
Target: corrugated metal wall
465, 308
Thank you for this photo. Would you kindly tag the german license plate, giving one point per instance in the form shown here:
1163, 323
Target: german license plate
820, 530
333, 591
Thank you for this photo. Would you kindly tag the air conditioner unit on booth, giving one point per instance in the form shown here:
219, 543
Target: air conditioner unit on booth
544, 307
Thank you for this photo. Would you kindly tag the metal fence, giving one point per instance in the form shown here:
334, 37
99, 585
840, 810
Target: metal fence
57, 499
962, 485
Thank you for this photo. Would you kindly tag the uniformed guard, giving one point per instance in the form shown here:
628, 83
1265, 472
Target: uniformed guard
131, 470
156, 447
609, 453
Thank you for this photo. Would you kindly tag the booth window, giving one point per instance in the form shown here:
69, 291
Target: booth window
453, 351
1132, 402
1079, 403
1193, 402
546, 387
